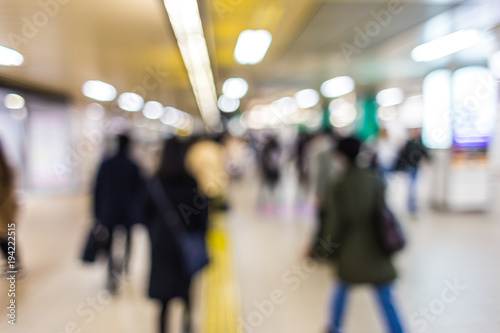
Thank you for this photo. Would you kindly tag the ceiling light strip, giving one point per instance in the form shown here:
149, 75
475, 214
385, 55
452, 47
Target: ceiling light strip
186, 22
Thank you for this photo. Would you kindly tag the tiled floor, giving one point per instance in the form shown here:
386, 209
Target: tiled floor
58, 292
449, 274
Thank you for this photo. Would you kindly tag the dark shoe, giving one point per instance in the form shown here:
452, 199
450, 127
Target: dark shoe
112, 287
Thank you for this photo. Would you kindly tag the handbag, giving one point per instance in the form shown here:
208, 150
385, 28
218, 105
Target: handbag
388, 228
192, 245
97, 243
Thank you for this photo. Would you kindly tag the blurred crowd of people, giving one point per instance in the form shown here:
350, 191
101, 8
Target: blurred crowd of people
345, 178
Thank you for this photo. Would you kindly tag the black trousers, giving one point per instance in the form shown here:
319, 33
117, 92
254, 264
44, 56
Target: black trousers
186, 317
115, 268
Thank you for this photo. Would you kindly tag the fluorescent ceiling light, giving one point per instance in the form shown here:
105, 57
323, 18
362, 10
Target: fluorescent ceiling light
177, 118
284, 106
337, 86
170, 116
185, 122
390, 96
227, 104
186, 22
235, 87
306, 98
342, 113
130, 102
446, 45
252, 46
14, 101
153, 110
10, 57
99, 91
387, 113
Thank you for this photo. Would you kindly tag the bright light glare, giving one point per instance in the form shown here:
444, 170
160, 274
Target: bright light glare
186, 22
14, 101
10, 57
95, 111
152, 110
411, 111
99, 91
178, 119
387, 113
185, 122
235, 87
284, 106
306, 98
474, 106
337, 86
446, 45
494, 63
252, 46
390, 96
436, 127
342, 113
130, 102
170, 116
227, 104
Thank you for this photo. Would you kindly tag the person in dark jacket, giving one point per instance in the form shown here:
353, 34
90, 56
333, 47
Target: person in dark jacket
352, 201
117, 202
409, 160
168, 279
270, 164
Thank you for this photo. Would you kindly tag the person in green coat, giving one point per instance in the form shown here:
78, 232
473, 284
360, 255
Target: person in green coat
351, 202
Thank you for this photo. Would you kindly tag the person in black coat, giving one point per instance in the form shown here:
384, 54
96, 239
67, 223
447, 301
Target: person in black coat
117, 202
409, 160
168, 279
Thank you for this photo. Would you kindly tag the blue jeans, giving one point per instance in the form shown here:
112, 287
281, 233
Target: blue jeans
385, 301
412, 192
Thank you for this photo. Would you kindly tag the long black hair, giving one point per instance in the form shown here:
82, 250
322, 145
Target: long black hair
172, 162
350, 148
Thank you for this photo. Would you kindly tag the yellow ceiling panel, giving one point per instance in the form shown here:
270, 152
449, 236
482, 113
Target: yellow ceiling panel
280, 17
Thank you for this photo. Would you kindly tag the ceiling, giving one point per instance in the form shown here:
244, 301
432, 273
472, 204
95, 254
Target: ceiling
130, 44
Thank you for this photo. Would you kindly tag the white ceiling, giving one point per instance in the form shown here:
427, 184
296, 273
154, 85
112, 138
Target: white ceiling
122, 41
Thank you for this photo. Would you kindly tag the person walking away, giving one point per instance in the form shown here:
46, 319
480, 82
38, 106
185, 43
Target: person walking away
117, 203
409, 160
324, 169
301, 158
168, 279
8, 209
270, 161
349, 224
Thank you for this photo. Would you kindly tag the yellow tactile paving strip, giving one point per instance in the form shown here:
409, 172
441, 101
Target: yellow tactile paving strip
220, 290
